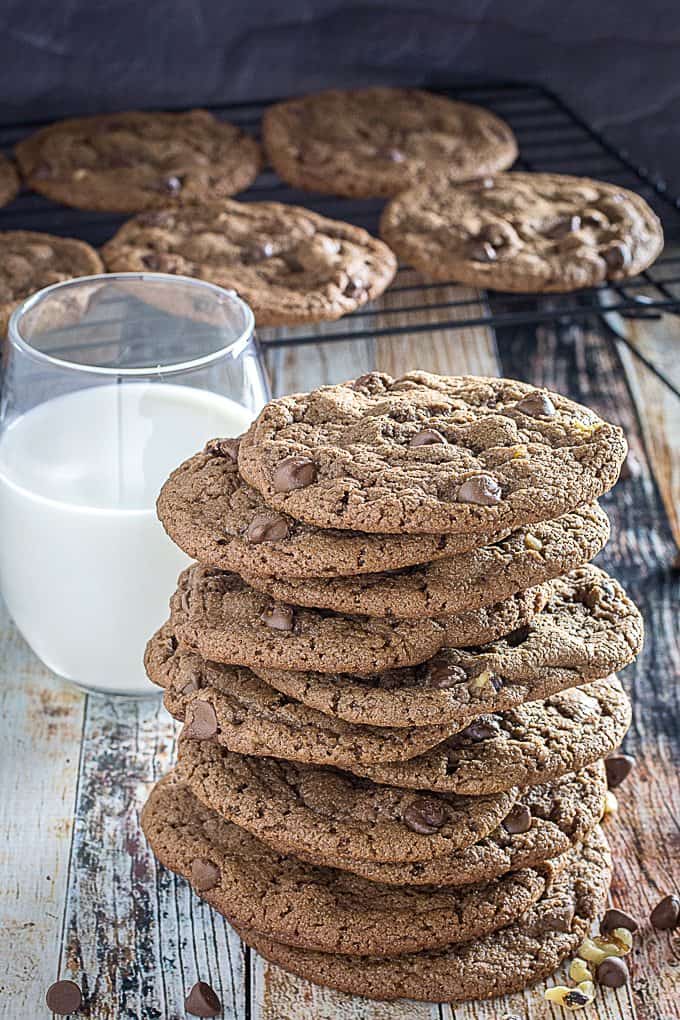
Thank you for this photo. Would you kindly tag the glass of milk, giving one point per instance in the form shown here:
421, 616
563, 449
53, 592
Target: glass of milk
109, 382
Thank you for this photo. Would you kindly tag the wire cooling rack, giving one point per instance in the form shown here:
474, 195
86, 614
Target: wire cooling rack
551, 138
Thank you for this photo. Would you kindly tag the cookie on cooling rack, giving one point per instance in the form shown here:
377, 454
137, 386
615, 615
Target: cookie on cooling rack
291, 265
125, 162
30, 261
375, 142
524, 232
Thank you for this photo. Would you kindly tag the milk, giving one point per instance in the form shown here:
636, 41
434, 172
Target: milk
86, 568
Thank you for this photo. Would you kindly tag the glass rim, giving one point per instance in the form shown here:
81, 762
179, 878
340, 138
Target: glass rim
235, 346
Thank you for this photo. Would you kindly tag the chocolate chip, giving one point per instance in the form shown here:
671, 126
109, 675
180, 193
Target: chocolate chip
666, 914
481, 489
618, 767
258, 252
267, 528
392, 155
354, 287
537, 405
204, 874
614, 918
483, 183
279, 617
202, 1001
172, 184
559, 919
443, 675
294, 473
518, 821
612, 972
64, 997
161, 262
566, 225
201, 721
517, 637
223, 448
480, 729
425, 815
191, 686
617, 255
428, 437
477, 731
481, 251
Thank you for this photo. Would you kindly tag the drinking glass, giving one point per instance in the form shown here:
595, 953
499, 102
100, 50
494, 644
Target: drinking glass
109, 382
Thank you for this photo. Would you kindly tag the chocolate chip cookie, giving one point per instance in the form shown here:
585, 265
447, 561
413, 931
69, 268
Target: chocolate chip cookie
331, 815
30, 261
527, 557
124, 162
506, 961
291, 265
219, 616
524, 232
231, 705
588, 629
546, 821
375, 142
322, 908
218, 519
529, 745
9, 181
429, 453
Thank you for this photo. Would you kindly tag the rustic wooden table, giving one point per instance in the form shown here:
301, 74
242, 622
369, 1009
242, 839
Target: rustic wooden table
80, 893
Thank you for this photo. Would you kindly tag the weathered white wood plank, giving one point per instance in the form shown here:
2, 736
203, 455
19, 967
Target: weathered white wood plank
136, 938
40, 726
281, 996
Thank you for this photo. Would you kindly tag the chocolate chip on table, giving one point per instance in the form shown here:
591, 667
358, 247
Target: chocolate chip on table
428, 437
518, 820
201, 721
64, 997
223, 448
279, 617
615, 918
294, 473
618, 767
536, 405
425, 815
666, 914
202, 1001
204, 874
481, 489
267, 528
612, 972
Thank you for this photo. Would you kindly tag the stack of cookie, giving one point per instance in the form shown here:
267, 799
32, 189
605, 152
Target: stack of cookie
395, 666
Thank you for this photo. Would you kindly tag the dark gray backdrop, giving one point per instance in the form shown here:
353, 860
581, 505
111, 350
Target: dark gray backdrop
618, 63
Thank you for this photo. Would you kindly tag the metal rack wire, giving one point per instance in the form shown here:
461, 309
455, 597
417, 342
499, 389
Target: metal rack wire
551, 138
